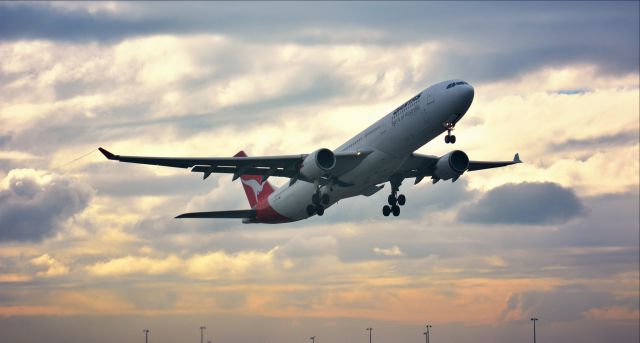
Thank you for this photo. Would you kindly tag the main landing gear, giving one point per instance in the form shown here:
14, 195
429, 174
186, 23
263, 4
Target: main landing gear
449, 138
394, 201
318, 202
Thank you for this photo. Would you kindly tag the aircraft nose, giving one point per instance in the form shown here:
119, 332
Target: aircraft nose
465, 97
467, 93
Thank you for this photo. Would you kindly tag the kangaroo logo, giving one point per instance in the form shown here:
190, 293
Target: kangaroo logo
255, 186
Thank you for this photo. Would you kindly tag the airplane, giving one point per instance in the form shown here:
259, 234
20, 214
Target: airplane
383, 152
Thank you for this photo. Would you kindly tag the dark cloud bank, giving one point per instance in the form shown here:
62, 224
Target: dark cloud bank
510, 38
524, 203
30, 211
624, 138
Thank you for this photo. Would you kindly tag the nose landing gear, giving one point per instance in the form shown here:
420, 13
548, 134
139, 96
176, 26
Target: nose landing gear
449, 138
394, 201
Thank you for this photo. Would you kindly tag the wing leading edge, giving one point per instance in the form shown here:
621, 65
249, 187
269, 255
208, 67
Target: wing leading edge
226, 164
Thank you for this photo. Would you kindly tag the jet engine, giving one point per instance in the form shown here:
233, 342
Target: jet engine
318, 163
451, 165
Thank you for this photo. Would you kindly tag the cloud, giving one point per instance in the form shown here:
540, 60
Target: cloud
6, 278
300, 246
34, 205
577, 91
135, 265
129, 180
591, 33
390, 252
53, 266
207, 266
624, 138
525, 203
37, 21
220, 265
565, 303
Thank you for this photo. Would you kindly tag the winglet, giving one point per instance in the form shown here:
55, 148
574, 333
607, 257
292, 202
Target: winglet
107, 154
516, 158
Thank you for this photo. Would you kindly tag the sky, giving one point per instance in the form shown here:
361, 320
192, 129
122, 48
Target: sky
89, 249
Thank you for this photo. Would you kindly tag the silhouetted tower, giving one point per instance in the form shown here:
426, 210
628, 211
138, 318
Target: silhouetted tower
313, 339
426, 334
534, 320
202, 328
369, 329
146, 335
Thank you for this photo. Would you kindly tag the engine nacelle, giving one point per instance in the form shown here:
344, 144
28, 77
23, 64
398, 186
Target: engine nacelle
451, 165
318, 163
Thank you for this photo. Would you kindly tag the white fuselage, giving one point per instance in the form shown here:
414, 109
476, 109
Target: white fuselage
391, 140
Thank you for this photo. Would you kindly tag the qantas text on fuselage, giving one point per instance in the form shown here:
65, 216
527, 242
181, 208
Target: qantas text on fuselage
382, 153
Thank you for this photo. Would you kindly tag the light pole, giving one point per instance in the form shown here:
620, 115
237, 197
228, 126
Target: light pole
369, 329
427, 333
146, 335
202, 328
534, 328
313, 339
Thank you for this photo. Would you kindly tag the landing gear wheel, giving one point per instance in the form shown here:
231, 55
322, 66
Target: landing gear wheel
447, 139
311, 210
391, 199
401, 199
320, 210
315, 199
452, 139
396, 210
325, 199
386, 210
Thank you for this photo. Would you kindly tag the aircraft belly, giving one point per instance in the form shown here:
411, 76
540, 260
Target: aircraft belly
376, 168
292, 202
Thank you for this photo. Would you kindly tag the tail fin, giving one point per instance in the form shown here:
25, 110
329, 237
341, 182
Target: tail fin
255, 189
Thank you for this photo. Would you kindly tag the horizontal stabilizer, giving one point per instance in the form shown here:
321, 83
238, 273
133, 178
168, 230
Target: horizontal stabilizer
237, 214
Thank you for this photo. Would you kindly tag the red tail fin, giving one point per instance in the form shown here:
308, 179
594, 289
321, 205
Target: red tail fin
255, 189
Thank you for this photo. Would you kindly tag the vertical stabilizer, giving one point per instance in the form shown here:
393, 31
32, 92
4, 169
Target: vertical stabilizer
254, 188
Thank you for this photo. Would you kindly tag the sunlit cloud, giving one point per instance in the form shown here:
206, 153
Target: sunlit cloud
52, 266
393, 251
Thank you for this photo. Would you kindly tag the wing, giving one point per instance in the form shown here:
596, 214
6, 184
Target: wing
239, 214
283, 166
479, 165
420, 166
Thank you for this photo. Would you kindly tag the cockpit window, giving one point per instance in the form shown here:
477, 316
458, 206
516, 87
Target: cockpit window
453, 84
